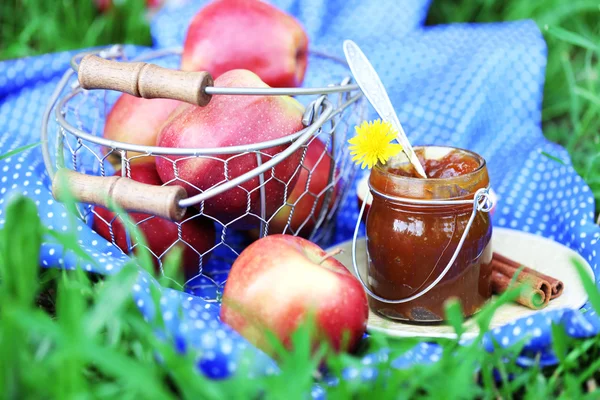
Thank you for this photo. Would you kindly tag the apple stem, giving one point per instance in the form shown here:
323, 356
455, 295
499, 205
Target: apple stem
332, 253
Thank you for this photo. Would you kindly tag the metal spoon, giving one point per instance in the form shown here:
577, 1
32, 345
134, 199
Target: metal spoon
370, 84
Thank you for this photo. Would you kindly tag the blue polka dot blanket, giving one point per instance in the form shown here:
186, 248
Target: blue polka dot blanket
475, 86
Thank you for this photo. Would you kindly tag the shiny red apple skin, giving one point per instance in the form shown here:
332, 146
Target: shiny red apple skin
229, 121
160, 233
317, 163
137, 121
247, 34
276, 282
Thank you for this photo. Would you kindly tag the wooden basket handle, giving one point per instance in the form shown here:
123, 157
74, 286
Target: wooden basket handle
144, 80
130, 195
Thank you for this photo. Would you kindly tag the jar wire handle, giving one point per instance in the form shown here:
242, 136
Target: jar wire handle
481, 202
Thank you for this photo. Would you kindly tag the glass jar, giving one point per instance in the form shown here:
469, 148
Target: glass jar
410, 244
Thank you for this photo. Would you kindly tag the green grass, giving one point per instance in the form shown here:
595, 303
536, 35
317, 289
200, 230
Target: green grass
30, 27
67, 334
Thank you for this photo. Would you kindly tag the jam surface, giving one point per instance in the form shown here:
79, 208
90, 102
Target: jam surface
409, 244
452, 164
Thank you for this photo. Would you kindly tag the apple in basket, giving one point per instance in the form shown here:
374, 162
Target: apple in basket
137, 121
280, 280
226, 121
197, 234
247, 34
307, 196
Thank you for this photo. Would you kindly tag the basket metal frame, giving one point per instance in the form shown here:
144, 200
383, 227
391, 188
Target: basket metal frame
318, 113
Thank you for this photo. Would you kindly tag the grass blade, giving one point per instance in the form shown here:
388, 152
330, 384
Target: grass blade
19, 150
111, 299
588, 284
21, 242
454, 316
560, 342
572, 38
553, 158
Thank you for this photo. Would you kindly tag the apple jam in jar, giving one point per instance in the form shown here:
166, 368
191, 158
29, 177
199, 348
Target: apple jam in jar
410, 244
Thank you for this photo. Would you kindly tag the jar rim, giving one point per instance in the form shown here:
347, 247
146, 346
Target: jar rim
482, 164
454, 187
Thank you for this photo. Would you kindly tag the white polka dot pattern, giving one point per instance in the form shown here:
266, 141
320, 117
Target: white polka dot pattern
471, 86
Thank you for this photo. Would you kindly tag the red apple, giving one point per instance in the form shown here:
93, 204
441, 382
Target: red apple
307, 194
228, 121
137, 121
279, 280
247, 34
197, 234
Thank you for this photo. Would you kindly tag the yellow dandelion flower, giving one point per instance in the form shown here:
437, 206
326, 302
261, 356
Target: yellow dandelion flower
372, 143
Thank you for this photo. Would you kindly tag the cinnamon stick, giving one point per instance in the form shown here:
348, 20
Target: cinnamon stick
556, 286
529, 297
523, 277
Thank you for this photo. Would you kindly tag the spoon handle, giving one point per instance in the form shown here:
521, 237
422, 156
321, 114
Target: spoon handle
373, 89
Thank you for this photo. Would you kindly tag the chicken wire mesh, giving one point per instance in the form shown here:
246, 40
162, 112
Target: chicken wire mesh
299, 195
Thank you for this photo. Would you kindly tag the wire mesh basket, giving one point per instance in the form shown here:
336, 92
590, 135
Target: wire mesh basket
178, 210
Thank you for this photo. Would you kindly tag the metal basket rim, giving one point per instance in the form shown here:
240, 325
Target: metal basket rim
319, 113
116, 50
156, 150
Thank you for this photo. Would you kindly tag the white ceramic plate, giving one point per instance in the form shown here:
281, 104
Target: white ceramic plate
534, 251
